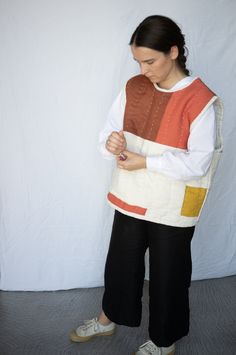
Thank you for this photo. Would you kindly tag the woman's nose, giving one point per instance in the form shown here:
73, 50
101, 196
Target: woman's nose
143, 69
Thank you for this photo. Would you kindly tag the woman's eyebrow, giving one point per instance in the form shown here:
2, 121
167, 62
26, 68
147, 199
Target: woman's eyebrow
144, 61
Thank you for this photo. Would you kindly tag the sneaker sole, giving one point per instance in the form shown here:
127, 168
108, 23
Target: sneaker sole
172, 353
76, 338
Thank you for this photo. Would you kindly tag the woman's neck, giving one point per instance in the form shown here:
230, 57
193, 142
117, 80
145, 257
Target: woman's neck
173, 78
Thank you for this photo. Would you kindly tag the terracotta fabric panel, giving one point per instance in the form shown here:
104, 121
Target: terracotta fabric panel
202, 96
175, 127
184, 106
145, 108
125, 206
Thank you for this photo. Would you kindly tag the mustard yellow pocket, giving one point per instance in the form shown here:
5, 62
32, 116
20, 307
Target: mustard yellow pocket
193, 201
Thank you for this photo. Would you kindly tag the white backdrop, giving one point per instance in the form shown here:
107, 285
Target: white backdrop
62, 62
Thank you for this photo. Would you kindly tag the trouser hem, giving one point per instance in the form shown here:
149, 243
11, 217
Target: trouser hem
167, 343
118, 319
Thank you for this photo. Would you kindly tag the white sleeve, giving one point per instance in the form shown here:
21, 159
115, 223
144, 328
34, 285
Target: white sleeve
114, 122
195, 162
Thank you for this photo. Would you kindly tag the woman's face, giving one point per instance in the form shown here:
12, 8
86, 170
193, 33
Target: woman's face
157, 66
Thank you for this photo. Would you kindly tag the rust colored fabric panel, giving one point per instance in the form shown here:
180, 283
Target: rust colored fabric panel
145, 108
201, 98
125, 206
184, 106
175, 127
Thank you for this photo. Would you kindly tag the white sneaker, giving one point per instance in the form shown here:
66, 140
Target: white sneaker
90, 329
149, 348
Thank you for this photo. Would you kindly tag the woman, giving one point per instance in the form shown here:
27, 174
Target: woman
164, 131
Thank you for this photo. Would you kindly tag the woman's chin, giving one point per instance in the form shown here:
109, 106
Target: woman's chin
152, 79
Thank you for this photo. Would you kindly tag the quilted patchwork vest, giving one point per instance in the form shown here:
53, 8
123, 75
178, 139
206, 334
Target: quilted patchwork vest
156, 121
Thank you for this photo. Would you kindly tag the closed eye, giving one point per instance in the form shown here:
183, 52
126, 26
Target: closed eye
150, 62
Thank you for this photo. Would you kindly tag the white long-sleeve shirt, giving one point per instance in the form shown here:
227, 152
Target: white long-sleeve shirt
177, 164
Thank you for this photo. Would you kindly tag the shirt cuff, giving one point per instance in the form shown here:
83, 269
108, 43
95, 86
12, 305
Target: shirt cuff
106, 155
153, 164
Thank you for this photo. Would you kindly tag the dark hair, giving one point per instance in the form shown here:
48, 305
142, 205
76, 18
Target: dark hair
161, 33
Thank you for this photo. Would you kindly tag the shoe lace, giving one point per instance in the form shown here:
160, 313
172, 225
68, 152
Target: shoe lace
149, 347
91, 323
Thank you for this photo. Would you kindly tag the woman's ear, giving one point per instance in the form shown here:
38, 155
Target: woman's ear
174, 52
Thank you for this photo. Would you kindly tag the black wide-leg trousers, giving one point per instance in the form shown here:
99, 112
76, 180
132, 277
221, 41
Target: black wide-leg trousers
169, 279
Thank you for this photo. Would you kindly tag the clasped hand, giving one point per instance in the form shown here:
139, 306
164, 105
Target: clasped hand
116, 144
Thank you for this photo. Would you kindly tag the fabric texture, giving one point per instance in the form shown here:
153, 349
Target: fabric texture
156, 122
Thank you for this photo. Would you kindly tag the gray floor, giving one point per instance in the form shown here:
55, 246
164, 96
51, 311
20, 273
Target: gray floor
37, 323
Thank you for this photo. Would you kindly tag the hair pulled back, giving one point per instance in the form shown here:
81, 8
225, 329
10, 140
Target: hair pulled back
161, 33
